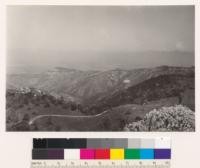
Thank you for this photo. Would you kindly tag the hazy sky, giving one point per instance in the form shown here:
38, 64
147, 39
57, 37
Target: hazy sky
99, 37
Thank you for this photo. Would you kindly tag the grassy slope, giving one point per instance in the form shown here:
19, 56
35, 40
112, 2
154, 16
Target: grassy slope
21, 107
114, 120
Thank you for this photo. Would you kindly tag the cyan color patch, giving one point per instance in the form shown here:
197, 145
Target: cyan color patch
146, 154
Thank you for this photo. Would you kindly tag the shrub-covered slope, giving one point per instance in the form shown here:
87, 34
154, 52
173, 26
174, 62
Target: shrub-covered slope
174, 118
164, 86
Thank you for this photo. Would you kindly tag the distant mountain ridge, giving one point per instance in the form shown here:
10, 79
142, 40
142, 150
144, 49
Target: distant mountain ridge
90, 84
156, 88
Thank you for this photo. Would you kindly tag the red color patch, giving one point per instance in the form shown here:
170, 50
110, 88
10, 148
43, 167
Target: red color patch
102, 154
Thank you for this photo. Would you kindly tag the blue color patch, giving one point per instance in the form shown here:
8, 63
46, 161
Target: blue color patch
146, 154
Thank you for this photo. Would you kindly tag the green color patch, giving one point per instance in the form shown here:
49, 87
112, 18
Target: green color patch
132, 154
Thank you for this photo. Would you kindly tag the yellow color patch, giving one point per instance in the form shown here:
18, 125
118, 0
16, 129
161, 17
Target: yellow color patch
116, 154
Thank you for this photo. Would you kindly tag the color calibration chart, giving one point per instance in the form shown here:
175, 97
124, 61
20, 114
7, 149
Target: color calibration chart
98, 152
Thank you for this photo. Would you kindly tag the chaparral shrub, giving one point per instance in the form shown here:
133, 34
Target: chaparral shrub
174, 118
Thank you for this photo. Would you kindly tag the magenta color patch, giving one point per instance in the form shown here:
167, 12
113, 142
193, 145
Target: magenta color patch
87, 154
